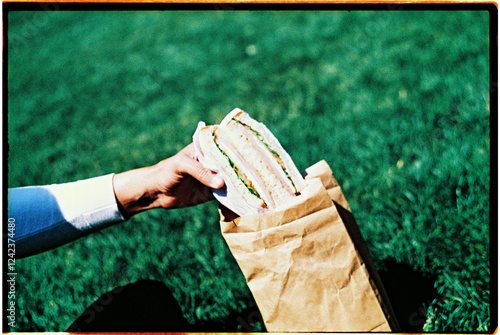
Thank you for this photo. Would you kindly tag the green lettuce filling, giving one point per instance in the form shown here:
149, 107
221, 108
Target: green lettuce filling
261, 138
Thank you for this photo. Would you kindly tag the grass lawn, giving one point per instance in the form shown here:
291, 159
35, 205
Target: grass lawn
397, 102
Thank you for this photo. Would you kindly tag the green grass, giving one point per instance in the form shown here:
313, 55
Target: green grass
396, 102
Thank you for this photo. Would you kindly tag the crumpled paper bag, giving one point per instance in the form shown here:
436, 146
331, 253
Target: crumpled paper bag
303, 266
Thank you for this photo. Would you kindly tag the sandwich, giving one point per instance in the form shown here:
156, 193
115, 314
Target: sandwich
254, 165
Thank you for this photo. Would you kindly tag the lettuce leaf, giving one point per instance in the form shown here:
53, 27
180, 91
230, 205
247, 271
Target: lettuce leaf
238, 174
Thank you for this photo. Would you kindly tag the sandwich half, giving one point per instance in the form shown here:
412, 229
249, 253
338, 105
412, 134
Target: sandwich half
251, 160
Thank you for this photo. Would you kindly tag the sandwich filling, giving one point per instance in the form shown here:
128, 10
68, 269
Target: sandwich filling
286, 183
256, 165
227, 150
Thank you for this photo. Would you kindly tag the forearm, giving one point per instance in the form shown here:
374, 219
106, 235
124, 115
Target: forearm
49, 216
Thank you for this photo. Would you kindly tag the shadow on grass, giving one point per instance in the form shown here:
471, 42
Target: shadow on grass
148, 306
143, 306
410, 292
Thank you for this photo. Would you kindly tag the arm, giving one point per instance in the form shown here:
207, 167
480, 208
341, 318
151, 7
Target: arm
49, 216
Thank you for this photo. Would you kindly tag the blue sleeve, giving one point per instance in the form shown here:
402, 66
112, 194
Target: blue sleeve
49, 216
39, 223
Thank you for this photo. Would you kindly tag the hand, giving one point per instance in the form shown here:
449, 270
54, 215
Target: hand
178, 181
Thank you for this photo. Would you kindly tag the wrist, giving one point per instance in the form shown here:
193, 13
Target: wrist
133, 191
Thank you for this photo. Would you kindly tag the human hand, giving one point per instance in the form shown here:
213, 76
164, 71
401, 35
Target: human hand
178, 181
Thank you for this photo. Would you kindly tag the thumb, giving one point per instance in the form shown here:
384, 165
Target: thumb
205, 176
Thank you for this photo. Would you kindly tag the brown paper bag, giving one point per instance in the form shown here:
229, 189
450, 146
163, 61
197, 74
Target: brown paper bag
307, 266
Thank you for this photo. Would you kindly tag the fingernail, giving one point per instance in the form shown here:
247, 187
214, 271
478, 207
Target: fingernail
217, 181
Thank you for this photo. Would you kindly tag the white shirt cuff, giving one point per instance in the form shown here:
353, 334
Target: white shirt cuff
88, 204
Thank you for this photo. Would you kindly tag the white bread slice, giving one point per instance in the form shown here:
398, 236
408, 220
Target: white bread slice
213, 154
271, 141
262, 175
